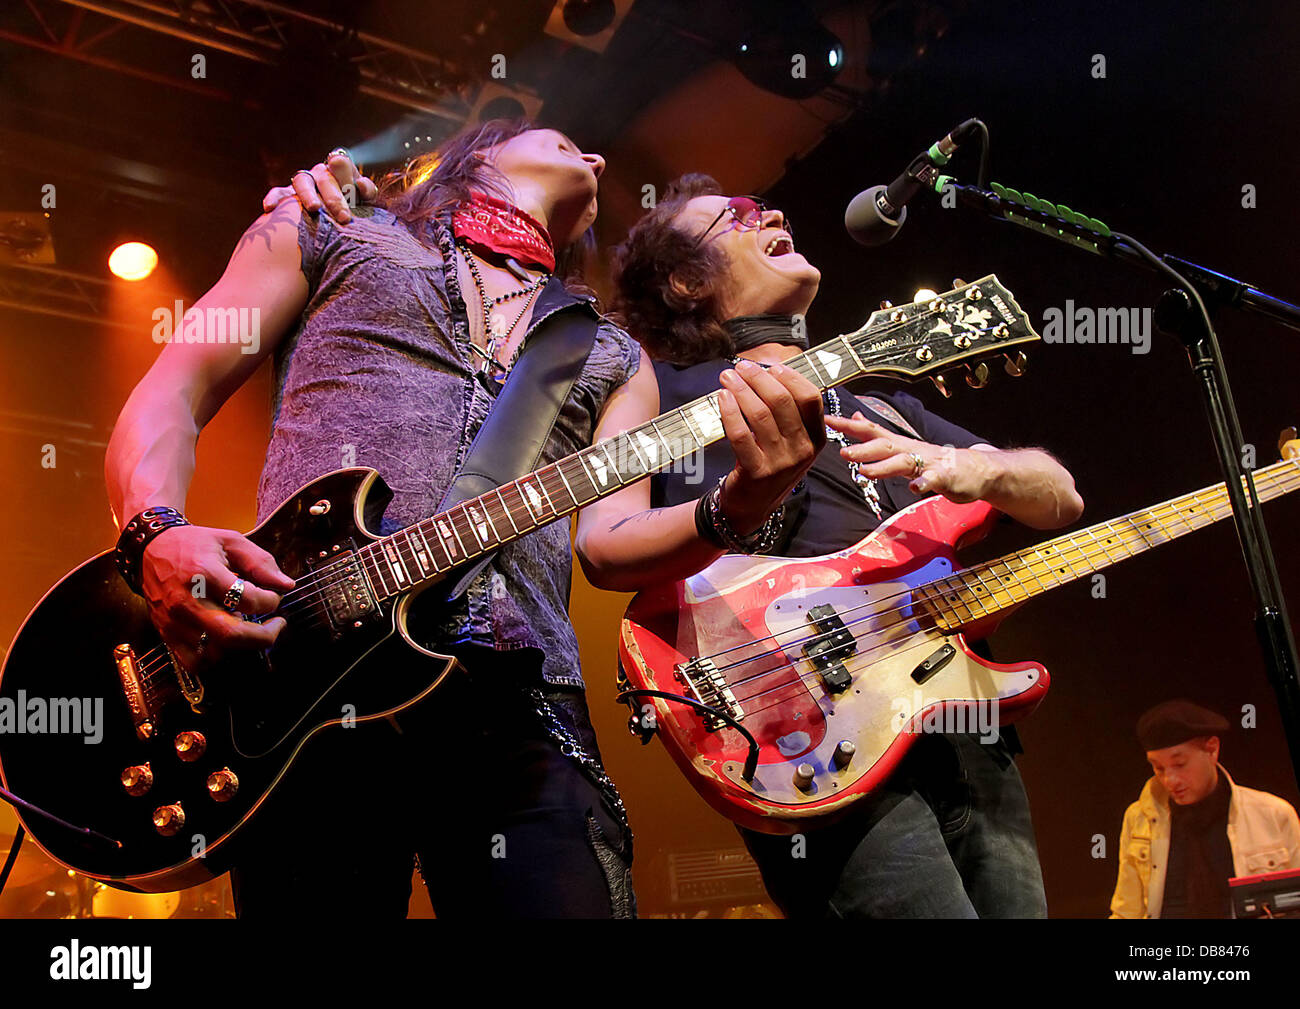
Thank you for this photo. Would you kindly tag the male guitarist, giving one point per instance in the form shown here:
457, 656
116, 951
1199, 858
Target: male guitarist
707, 282
704, 280
390, 339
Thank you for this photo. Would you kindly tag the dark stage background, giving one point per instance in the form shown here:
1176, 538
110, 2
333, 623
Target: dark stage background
1197, 102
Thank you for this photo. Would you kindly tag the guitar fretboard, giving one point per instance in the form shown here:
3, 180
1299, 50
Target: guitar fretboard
434, 546
968, 596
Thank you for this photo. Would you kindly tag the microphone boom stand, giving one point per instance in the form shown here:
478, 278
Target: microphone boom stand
1182, 311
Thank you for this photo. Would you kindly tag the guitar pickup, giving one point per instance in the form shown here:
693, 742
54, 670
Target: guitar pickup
344, 590
936, 660
832, 644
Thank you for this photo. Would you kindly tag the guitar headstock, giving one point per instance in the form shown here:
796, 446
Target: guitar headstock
952, 330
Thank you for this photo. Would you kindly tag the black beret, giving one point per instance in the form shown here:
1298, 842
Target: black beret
1175, 722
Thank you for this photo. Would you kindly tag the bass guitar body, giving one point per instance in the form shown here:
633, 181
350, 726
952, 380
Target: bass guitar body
831, 663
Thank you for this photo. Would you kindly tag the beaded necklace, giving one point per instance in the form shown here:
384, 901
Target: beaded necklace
495, 332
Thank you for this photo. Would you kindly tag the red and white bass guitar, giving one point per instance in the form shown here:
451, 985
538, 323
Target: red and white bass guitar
806, 680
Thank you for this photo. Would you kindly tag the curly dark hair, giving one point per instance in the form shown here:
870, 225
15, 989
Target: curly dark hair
665, 286
431, 184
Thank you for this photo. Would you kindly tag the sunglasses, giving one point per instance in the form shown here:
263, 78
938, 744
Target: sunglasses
746, 212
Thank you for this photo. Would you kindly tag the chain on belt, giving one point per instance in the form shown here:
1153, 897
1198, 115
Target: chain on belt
572, 748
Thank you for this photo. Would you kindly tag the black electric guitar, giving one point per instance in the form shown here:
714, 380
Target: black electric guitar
188, 758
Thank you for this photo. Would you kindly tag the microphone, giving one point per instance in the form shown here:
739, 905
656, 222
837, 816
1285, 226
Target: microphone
874, 216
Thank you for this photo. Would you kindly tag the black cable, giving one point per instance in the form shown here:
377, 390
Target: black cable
751, 761
19, 834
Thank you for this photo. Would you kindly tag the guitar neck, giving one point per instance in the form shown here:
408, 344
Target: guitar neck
972, 594
432, 547
911, 341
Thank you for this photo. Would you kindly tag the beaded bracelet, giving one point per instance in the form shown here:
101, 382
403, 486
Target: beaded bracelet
136, 535
713, 526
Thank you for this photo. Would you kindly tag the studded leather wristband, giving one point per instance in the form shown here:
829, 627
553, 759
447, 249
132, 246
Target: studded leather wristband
136, 535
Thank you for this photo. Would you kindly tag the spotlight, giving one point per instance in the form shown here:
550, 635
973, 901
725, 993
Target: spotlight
587, 23
588, 17
133, 260
777, 40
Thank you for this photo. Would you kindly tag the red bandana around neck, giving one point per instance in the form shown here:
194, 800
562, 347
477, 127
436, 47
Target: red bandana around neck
492, 225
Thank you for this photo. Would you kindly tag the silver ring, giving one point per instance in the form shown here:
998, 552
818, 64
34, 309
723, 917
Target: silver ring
338, 150
301, 171
918, 465
234, 594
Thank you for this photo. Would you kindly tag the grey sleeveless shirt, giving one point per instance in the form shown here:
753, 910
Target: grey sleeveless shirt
379, 373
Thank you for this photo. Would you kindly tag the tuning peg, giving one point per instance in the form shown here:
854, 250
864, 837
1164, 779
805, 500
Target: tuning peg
977, 377
941, 385
1288, 437
958, 282
1016, 364
886, 304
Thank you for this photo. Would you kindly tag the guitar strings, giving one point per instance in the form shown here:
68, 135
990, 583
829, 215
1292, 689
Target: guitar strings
156, 661
867, 359
1273, 475
925, 603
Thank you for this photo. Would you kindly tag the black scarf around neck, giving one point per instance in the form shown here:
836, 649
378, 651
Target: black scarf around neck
750, 331
1200, 857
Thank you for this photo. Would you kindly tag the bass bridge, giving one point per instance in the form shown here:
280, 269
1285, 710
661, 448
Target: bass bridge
705, 683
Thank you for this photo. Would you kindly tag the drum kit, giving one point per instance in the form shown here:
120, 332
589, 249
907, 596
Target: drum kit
39, 887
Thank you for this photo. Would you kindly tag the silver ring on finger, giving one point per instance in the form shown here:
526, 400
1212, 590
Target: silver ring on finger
234, 594
918, 465
339, 150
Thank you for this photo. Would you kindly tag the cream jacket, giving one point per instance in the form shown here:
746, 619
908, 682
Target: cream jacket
1263, 831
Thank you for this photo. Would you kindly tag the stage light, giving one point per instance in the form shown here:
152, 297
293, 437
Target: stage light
781, 49
588, 17
924, 294
133, 261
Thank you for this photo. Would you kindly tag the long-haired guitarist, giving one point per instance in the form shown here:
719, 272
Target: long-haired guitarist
389, 337
705, 280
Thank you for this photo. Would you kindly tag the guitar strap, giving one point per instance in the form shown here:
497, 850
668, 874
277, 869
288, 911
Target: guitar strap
879, 406
510, 442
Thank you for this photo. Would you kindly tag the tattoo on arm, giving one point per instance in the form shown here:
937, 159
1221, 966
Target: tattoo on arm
644, 516
264, 229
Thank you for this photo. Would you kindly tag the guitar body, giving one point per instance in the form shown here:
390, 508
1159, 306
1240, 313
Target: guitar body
752, 615
258, 710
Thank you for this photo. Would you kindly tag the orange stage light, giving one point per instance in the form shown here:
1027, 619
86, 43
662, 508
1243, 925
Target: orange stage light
133, 260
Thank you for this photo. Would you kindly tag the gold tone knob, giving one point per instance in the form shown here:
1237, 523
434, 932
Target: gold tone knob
886, 304
977, 377
222, 785
1016, 364
167, 820
803, 777
941, 385
190, 746
137, 779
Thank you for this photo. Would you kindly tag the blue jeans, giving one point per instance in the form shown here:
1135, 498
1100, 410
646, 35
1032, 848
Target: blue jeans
947, 835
